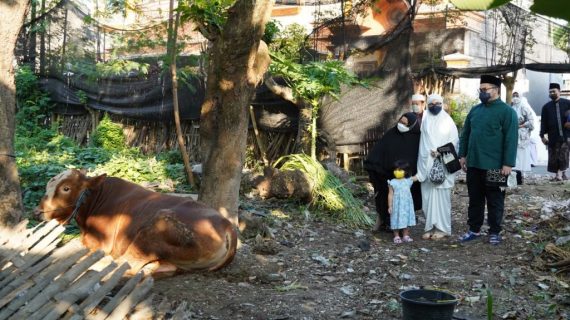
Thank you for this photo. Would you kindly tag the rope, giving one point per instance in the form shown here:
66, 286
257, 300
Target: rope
78, 204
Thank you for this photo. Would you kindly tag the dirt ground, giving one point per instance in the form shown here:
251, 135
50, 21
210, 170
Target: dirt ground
293, 264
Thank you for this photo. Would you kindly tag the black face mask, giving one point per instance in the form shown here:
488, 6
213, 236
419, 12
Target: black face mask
484, 96
553, 96
435, 109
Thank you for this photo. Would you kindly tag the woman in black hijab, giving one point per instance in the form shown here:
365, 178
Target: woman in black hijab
398, 143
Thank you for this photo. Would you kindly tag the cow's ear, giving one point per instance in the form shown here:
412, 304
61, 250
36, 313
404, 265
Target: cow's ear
83, 171
95, 182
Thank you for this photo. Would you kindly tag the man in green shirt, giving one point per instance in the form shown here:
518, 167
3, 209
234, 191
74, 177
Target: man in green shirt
488, 141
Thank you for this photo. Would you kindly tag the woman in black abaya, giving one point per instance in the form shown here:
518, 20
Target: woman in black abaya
398, 143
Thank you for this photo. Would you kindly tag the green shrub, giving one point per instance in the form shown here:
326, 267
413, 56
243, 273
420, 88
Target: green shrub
459, 107
109, 135
34, 105
26, 83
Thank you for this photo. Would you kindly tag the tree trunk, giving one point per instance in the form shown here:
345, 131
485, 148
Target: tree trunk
33, 33
236, 65
509, 82
10, 193
64, 40
314, 110
303, 139
44, 21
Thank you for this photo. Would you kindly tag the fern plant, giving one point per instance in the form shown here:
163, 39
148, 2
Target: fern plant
109, 135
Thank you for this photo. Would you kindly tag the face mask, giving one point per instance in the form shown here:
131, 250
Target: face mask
416, 108
484, 96
516, 100
553, 96
402, 127
434, 110
399, 174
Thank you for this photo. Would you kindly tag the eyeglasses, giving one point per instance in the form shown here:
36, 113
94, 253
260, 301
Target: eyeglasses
485, 89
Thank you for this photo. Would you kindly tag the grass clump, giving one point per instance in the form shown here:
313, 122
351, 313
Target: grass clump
329, 193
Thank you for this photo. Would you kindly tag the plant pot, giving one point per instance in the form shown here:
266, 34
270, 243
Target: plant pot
425, 304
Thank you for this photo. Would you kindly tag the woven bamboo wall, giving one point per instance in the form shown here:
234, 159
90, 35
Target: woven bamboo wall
155, 137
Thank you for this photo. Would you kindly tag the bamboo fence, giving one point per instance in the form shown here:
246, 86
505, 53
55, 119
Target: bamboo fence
41, 279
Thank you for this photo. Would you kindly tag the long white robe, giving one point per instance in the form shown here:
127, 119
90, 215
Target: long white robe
527, 118
436, 131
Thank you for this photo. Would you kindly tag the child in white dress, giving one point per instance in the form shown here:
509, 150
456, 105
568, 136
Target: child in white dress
401, 203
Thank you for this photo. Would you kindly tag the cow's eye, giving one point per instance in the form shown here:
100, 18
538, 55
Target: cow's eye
66, 189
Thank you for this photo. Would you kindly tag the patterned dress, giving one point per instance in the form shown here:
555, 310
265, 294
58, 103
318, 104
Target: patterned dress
403, 214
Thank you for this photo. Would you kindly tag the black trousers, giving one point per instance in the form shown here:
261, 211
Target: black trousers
380, 184
479, 194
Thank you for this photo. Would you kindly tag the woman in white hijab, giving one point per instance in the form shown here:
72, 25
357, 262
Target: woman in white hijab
437, 130
526, 125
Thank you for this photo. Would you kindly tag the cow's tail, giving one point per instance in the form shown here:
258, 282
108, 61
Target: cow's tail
231, 245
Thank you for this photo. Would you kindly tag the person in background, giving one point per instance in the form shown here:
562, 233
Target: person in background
555, 132
418, 106
489, 141
400, 202
534, 136
526, 125
437, 130
398, 143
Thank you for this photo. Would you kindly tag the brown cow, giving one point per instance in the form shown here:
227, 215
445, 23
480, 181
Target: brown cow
148, 229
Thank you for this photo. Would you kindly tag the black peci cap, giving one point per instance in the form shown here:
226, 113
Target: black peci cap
491, 79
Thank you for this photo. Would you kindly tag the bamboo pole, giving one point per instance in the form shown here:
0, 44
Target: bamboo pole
79, 290
40, 282
17, 278
87, 306
132, 299
172, 44
261, 146
143, 310
56, 286
110, 306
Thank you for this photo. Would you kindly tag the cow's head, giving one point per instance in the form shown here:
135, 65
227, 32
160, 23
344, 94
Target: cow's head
63, 192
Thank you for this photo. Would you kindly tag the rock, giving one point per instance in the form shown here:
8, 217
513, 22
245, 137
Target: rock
348, 314
562, 240
364, 245
348, 290
283, 184
265, 246
472, 299
543, 286
405, 276
322, 260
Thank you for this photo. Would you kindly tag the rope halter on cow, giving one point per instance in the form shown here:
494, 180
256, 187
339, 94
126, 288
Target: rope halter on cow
80, 201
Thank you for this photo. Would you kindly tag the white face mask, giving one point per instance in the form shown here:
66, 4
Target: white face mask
402, 127
416, 108
516, 100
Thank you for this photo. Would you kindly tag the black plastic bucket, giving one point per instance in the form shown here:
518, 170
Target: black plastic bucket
427, 305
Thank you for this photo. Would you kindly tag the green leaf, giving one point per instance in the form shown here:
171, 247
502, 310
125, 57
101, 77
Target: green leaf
555, 9
478, 4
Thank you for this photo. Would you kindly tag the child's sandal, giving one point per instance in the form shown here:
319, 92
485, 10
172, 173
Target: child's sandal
407, 239
397, 240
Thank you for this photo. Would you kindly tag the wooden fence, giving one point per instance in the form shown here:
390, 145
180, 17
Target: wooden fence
40, 279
